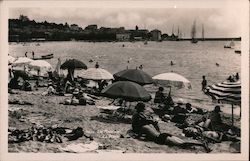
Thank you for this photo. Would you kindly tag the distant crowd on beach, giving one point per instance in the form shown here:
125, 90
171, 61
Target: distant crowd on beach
210, 128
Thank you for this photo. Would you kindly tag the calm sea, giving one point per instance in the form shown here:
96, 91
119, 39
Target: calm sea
191, 60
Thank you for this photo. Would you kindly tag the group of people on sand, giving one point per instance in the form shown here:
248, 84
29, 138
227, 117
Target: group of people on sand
206, 130
210, 128
234, 78
146, 125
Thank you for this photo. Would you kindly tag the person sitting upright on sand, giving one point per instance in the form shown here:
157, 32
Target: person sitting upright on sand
159, 96
143, 124
215, 118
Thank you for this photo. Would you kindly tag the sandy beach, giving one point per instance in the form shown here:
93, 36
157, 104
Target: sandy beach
111, 134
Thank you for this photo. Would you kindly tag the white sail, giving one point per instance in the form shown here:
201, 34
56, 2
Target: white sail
232, 44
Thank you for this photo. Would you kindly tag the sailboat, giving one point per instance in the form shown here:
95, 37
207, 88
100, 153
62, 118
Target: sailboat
230, 45
193, 33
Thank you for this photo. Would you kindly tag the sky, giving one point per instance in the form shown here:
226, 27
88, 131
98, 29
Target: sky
218, 22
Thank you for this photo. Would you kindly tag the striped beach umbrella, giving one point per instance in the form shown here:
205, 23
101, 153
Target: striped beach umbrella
225, 92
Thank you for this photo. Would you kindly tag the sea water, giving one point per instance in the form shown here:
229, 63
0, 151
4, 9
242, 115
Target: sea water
190, 60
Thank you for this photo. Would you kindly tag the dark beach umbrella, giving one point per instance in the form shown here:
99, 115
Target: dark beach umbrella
71, 65
129, 91
134, 75
20, 73
226, 92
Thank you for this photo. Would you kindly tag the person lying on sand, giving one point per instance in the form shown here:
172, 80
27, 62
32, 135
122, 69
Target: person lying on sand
50, 90
211, 136
143, 124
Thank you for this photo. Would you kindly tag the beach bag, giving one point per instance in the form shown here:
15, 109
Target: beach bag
179, 118
27, 86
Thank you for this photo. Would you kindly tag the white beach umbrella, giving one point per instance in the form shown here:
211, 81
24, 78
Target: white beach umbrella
173, 80
11, 59
22, 61
41, 67
226, 92
95, 74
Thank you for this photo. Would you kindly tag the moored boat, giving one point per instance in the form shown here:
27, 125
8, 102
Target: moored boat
237, 51
48, 56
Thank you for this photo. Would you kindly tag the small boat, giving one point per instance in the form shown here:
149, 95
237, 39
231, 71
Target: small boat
237, 51
48, 56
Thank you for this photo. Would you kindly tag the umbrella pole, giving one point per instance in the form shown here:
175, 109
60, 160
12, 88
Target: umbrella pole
232, 115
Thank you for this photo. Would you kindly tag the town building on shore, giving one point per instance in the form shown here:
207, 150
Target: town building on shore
155, 35
75, 27
123, 36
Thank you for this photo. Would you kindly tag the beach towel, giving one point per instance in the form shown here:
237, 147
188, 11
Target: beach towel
108, 107
110, 151
81, 148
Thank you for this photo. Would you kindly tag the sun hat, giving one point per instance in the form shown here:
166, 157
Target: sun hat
180, 101
76, 91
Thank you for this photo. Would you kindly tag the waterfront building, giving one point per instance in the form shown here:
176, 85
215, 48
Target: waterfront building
75, 27
155, 35
91, 28
123, 36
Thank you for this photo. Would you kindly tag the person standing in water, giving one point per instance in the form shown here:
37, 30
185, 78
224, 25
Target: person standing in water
204, 83
33, 54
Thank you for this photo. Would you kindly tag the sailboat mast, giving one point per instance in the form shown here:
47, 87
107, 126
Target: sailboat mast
193, 31
203, 36
178, 32
173, 30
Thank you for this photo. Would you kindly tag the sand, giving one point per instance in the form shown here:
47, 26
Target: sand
47, 111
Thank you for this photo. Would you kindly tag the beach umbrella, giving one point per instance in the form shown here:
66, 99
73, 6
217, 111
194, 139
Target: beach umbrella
127, 90
95, 74
22, 61
21, 73
41, 66
134, 75
226, 92
172, 80
71, 65
11, 59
